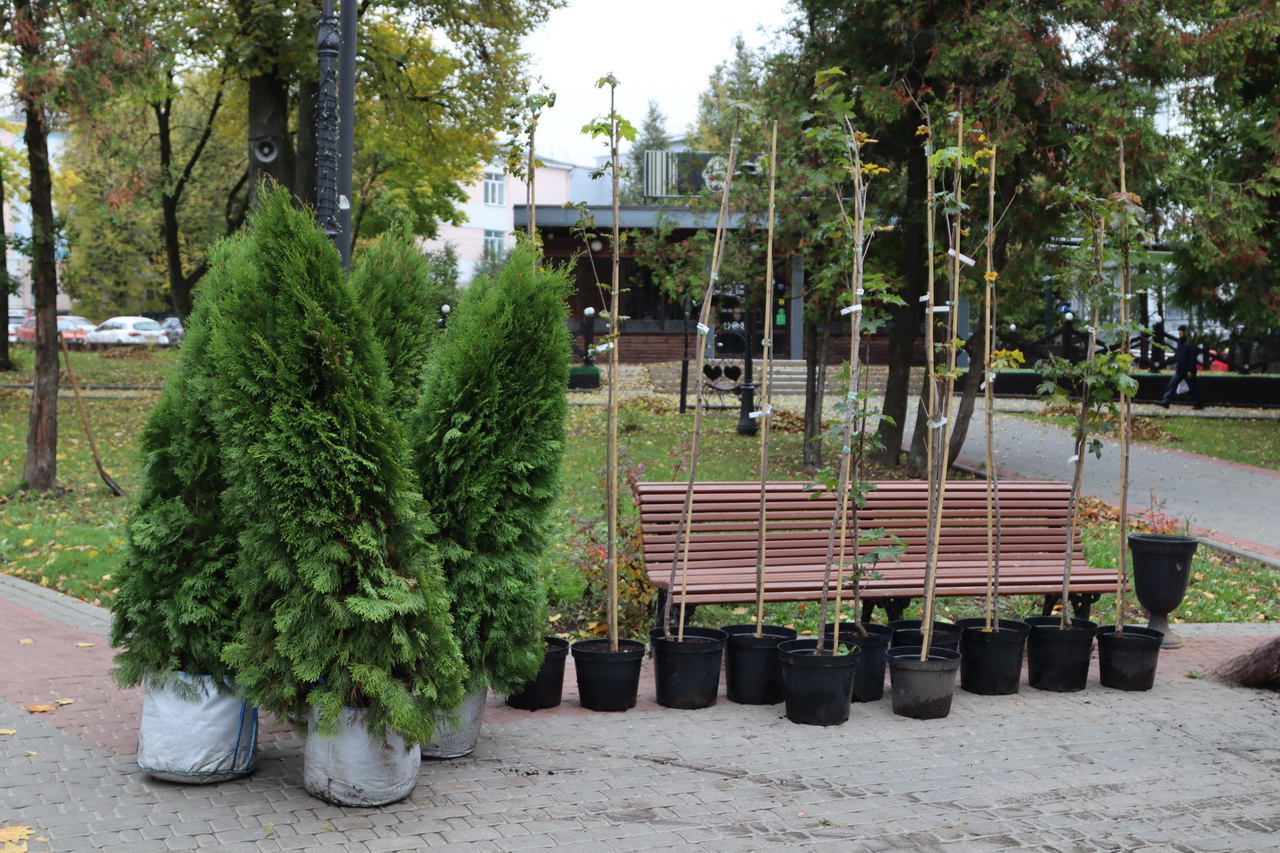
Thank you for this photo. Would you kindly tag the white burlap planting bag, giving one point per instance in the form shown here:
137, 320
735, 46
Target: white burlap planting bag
210, 739
351, 769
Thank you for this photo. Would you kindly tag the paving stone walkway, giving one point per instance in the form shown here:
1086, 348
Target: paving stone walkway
1192, 765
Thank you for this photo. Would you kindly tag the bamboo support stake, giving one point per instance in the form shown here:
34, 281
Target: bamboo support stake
612, 461
846, 458
704, 327
989, 381
766, 401
1126, 413
931, 380
938, 478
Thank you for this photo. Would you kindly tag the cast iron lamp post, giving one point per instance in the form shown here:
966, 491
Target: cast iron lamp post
335, 124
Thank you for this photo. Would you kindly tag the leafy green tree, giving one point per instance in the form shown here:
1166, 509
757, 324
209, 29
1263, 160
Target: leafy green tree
653, 136
1227, 220
1049, 84
488, 436
341, 598
61, 57
394, 280
176, 606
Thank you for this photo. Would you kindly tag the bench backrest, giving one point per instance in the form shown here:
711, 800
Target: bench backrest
726, 517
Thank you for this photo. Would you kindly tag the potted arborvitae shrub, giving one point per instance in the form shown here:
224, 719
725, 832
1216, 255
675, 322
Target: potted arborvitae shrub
488, 438
393, 281
343, 619
175, 608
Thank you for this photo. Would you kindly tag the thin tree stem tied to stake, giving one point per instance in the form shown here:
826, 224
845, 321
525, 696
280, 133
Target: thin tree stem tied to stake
766, 401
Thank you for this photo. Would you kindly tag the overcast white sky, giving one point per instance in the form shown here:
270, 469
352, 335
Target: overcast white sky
663, 49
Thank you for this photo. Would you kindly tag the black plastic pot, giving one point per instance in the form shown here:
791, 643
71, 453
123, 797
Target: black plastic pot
922, 689
686, 672
991, 661
545, 689
1127, 661
607, 681
907, 632
752, 671
868, 675
817, 688
1058, 659
1161, 568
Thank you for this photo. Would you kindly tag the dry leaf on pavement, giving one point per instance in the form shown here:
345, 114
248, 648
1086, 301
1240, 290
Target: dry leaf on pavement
84, 645
15, 833
26, 641
64, 701
38, 709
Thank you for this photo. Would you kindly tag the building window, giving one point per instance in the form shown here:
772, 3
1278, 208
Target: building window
495, 188
495, 243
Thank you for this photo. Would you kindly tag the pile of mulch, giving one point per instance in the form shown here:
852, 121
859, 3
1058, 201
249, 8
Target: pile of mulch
1141, 429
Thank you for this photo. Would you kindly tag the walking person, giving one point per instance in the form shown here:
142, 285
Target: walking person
1184, 369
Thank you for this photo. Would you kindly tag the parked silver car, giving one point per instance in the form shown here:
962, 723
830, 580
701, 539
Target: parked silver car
127, 330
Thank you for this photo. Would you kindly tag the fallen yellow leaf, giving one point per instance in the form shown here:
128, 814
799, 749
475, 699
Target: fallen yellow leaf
8, 731
1019, 704
26, 641
84, 645
32, 752
20, 847
64, 701
38, 709
27, 543
15, 833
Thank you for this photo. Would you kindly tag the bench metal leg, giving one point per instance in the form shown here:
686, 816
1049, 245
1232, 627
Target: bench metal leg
660, 602
893, 608
1081, 603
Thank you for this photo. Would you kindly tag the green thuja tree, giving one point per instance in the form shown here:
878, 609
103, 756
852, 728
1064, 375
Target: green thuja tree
488, 438
341, 598
175, 608
394, 282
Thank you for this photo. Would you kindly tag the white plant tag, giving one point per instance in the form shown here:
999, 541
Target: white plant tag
964, 259
703, 328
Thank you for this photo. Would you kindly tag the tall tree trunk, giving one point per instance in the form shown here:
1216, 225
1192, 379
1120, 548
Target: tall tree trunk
972, 381
270, 150
304, 171
905, 319
6, 362
815, 383
41, 472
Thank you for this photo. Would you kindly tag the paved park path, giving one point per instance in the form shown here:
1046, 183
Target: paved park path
1189, 766
1231, 504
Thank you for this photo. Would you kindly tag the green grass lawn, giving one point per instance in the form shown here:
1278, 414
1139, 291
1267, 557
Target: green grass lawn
73, 540
1249, 441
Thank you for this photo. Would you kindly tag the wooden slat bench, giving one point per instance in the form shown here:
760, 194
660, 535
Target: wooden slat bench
726, 517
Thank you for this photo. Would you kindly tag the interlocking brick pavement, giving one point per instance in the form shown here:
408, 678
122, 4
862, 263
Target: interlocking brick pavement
1192, 765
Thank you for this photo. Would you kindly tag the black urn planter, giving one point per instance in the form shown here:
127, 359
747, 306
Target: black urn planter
686, 672
1161, 568
1058, 658
752, 670
868, 675
1127, 661
922, 689
548, 685
817, 688
991, 661
607, 681
908, 632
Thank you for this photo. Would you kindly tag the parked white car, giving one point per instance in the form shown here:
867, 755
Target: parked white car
127, 330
